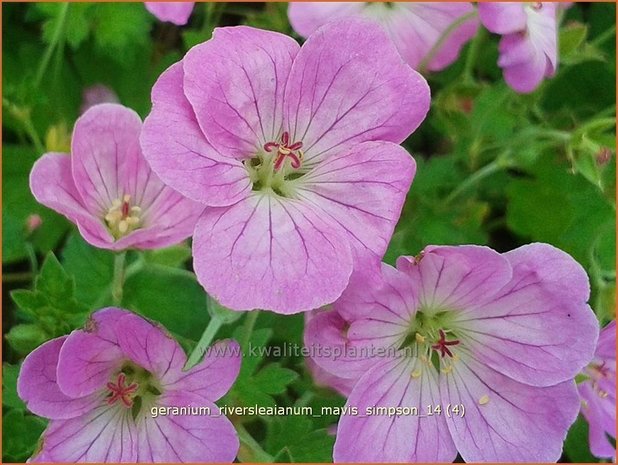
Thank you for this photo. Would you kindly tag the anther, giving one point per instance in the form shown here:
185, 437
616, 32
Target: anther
484, 400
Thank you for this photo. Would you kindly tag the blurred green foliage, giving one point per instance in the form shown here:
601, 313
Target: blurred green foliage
493, 167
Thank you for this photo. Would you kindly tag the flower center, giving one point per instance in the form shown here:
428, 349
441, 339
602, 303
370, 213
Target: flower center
598, 373
133, 388
122, 218
280, 163
120, 391
432, 339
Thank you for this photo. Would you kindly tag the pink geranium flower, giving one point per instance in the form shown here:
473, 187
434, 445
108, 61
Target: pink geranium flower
528, 48
415, 28
177, 13
295, 152
106, 187
598, 394
499, 336
100, 385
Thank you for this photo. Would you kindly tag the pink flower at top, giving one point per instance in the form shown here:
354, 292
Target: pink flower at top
528, 48
415, 28
100, 385
598, 394
177, 13
106, 187
293, 151
492, 340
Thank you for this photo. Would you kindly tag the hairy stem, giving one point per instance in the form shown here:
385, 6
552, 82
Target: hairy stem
213, 326
118, 280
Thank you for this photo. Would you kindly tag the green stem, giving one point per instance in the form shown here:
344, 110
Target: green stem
498, 164
17, 277
259, 455
473, 52
64, 8
248, 329
600, 39
118, 280
445, 35
34, 262
213, 326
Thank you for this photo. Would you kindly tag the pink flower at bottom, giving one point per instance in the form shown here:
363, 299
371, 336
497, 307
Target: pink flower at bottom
598, 394
100, 385
498, 336
107, 188
529, 44
294, 153
177, 13
414, 27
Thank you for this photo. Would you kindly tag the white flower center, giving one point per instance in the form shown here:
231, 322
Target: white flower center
122, 218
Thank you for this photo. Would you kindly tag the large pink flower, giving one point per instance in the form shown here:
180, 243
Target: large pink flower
177, 13
528, 48
599, 394
106, 187
104, 388
294, 151
491, 340
415, 28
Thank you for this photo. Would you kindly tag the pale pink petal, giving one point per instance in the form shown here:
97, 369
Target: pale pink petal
186, 438
523, 64
416, 29
503, 420
284, 256
107, 162
455, 277
600, 413
394, 383
363, 189
538, 329
51, 183
235, 83
177, 13
213, 376
606, 346
326, 336
503, 17
307, 17
105, 434
183, 158
149, 345
90, 356
323, 378
37, 385
357, 91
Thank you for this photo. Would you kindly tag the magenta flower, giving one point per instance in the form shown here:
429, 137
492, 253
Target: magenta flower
528, 48
415, 28
104, 388
295, 152
491, 342
598, 394
177, 13
106, 187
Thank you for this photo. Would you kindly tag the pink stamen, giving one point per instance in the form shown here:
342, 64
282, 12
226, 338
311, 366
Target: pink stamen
284, 150
122, 392
442, 345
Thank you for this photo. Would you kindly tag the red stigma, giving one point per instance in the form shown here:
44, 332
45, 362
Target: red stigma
442, 345
284, 150
125, 209
122, 392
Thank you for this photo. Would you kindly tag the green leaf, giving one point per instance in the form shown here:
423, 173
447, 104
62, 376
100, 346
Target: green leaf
19, 204
576, 444
581, 217
20, 440
295, 438
76, 27
175, 256
120, 28
24, 338
9, 387
571, 37
92, 268
274, 379
170, 296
